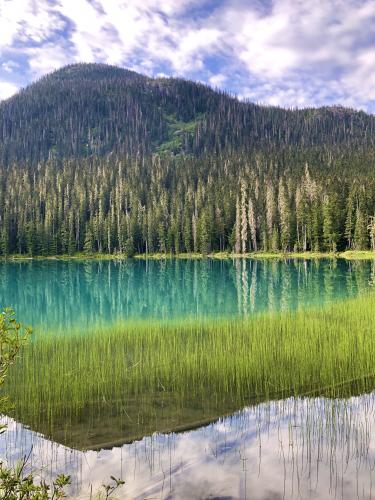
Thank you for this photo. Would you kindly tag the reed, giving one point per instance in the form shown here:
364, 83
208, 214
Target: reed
117, 383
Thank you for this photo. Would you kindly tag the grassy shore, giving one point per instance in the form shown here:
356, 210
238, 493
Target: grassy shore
348, 255
119, 383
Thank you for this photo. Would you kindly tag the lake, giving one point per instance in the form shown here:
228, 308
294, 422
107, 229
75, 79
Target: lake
114, 381
60, 295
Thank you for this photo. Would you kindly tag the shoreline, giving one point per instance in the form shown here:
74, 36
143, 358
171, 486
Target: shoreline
346, 255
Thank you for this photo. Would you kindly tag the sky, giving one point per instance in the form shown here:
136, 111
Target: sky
291, 53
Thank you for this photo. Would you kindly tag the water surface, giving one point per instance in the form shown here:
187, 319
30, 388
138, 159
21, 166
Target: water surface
296, 448
293, 448
58, 295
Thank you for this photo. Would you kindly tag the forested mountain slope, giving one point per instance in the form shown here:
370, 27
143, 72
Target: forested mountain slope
99, 159
93, 109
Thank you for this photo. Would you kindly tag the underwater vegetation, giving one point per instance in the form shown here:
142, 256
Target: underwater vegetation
107, 385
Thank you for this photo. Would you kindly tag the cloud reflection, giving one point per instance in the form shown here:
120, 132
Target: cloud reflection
296, 448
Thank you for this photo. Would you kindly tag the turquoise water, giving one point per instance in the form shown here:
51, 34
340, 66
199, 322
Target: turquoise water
60, 295
294, 448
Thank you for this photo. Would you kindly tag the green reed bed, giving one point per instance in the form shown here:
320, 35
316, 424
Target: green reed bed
140, 376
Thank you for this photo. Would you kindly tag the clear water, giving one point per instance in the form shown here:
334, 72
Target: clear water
58, 295
296, 448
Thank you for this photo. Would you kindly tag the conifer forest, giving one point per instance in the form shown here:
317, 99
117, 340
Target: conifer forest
130, 164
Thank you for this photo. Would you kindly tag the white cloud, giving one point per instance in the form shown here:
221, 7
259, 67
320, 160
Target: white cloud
287, 52
9, 66
259, 44
7, 89
46, 59
218, 80
25, 21
301, 47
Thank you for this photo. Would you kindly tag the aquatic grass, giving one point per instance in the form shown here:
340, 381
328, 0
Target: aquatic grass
131, 378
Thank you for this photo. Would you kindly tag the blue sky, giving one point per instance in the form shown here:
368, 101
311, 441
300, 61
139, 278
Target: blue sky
292, 53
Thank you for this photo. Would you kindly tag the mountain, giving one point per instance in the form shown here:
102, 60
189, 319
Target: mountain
94, 109
78, 173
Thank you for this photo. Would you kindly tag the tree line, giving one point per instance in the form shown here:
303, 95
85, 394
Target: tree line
275, 200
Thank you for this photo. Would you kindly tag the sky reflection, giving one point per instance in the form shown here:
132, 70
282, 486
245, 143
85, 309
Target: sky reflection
297, 448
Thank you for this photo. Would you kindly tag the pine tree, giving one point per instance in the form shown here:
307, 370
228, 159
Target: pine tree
284, 212
187, 233
330, 233
88, 245
270, 214
243, 218
252, 225
204, 229
360, 230
162, 238
237, 244
350, 219
129, 247
301, 221
4, 235
371, 228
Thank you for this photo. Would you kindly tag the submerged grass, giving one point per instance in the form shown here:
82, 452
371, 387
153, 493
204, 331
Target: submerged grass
118, 383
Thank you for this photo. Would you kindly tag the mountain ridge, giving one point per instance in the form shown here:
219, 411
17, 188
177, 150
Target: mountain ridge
91, 70
96, 109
